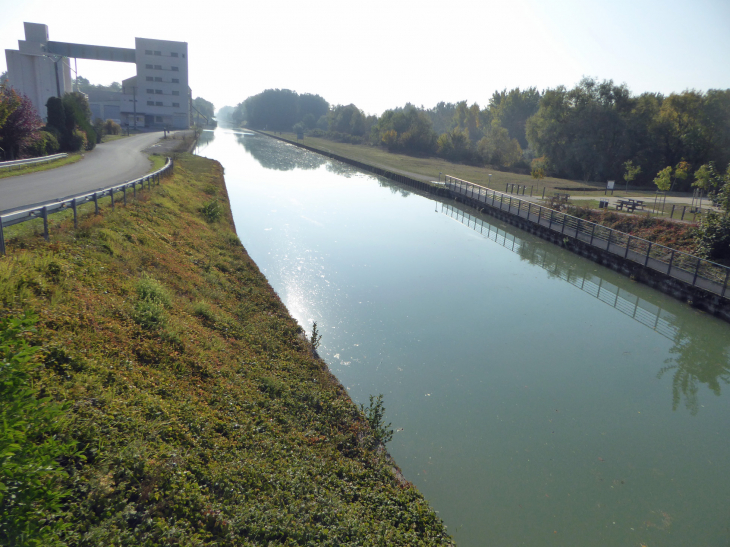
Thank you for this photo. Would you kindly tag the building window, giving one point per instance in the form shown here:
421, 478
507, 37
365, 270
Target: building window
150, 91
148, 66
176, 93
158, 92
148, 52
149, 78
175, 69
158, 78
175, 81
183, 55
158, 67
176, 105
158, 119
150, 103
173, 54
158, 103
158, 53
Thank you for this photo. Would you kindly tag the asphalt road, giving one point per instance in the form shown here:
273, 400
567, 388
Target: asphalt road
108, 164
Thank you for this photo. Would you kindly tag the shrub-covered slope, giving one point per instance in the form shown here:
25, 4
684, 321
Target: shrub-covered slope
199, 414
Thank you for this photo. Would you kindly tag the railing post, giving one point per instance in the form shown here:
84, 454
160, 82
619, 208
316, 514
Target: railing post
671, 215
724, 287
44, 211
96, 204
134, 189
543, 192
671, 259
593, 232
628, 244
608, 246
124, 190
648, 250
111, 193
76, 217
577, 230
550, 224
519, 206
2, 241
539, 214
562, 229
697, 271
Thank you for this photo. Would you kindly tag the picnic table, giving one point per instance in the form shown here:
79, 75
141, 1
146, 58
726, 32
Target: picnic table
629, 204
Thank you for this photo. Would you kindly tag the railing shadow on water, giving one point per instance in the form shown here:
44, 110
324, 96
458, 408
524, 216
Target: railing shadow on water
698, 356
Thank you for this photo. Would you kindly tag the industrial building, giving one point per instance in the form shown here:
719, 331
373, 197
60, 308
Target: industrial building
157, 97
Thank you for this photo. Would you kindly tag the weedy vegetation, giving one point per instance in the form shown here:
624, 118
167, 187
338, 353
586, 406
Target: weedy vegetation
155, 391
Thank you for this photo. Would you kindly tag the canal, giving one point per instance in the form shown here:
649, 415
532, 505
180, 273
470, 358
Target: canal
537, 397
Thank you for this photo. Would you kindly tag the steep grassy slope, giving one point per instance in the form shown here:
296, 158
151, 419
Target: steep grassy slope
200, 415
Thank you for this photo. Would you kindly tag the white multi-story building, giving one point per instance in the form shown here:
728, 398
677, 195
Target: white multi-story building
158, 96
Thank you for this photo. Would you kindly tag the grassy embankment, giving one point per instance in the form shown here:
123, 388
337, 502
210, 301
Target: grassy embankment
429, 168
199, 412
71, 158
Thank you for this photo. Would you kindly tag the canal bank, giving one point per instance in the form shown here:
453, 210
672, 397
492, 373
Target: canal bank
680, 283
194, 409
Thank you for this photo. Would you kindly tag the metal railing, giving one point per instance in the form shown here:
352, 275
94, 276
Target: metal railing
690, 269
42, 210
31, 161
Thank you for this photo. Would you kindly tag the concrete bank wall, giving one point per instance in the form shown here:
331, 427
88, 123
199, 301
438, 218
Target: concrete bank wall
694, 296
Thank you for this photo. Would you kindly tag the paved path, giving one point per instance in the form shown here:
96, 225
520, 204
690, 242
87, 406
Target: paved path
108, 164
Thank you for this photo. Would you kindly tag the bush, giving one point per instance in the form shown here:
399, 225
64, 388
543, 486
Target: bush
112, 128
44, 144
153, 298
211, 211
713, 237
31, 480
374, 415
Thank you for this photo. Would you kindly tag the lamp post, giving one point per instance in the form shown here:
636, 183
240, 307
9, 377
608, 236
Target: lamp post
490, 180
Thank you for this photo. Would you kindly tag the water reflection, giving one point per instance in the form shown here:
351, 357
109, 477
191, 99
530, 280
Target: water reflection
697, 358
280, 158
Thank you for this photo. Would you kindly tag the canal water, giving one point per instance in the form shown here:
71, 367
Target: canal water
538, 398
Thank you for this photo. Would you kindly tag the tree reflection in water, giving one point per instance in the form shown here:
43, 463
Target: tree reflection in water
273, 154
700, 353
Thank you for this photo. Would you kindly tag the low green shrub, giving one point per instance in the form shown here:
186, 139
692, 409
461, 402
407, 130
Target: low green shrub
31, 480
211, 211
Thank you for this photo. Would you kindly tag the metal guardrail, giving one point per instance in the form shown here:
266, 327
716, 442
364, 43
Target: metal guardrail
31, 161
690, 269
72, 202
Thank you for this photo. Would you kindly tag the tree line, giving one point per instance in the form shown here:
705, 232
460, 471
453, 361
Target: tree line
595, 131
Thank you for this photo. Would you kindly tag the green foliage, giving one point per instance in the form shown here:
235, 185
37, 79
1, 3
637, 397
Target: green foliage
152, 299
630, 171
663, 180
408, 130
78, 118
112, 128
315, 338
211, 211
713, 237
43, 144
31, 480
279, 109
496, 148
375, 414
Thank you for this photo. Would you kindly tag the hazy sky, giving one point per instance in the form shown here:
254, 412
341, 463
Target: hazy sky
380, 54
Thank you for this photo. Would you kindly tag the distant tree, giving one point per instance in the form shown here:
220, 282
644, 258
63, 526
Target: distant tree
455, 146
9, 101
512, 109
21, 126
406, 130
78, 118
225, 114
496, 148
538, 166
205, 108
630, 172
663, 180
56, 114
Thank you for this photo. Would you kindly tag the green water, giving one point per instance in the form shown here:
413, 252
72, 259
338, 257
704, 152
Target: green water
539, 399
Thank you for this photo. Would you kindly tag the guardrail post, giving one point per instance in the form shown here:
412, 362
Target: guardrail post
697, 271
124, 190
111, 193
76, 217
149, 184
134, 190
648, 250
44, 212
628, 244
96, 203
2, 241
671, 259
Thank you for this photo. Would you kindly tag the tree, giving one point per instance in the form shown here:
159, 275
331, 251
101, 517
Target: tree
21, 124
205, 108
538, 167
512, 109
630, 172
498, 149
681, 171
